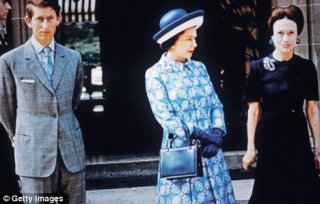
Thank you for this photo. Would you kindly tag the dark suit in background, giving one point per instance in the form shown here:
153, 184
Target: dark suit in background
8, 178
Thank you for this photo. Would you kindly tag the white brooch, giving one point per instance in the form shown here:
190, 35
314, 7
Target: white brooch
268, 64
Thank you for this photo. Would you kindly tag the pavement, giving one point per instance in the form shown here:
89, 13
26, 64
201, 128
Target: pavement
147, 194
131, 179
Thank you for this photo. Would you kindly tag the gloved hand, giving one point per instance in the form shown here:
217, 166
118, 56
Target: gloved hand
214, 137
209, 150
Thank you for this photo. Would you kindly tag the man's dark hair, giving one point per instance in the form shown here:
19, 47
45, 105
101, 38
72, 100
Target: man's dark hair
41, 4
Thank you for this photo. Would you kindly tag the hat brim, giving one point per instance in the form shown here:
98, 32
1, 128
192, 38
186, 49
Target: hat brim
192, 19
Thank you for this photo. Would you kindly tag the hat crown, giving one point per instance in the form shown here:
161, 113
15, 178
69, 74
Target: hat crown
171, 16
176, 21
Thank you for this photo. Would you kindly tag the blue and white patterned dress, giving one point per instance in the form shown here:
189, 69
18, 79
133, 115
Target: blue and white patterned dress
181, 96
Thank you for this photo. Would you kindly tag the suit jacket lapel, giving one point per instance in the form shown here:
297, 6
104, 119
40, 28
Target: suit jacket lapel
59, 66
34, 64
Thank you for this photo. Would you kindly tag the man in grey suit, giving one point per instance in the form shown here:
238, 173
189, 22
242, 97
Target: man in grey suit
40, 87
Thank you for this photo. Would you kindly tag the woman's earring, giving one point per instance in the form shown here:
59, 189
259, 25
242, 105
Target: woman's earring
298, 41
271, 42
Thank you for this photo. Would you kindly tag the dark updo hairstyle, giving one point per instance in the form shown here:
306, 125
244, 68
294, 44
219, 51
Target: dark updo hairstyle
292, 12
170, 42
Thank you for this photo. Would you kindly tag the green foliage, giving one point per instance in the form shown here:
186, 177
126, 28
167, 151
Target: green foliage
84, 38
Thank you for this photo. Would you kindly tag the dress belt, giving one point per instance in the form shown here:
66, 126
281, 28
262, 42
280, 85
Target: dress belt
283, 110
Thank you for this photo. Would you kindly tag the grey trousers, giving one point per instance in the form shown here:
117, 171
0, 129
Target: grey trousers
61, 183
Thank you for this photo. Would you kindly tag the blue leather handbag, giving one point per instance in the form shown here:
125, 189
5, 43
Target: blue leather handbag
182, 162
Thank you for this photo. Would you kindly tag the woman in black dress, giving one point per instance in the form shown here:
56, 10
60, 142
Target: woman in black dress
278, 86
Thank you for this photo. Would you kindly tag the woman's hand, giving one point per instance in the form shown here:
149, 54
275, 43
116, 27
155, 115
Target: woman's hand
249, 158
209, 150
313, 116
214, 137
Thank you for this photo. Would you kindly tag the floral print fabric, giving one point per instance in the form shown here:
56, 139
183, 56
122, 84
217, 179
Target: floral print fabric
181, 96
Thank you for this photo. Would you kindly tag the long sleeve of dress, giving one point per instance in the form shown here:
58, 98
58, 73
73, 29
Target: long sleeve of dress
217, 114
161, 106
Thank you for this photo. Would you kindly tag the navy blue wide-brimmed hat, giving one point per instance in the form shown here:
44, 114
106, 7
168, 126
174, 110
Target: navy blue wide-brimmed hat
176, 21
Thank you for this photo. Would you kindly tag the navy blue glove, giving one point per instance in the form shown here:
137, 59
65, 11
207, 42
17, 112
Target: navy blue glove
209, 150
215, 137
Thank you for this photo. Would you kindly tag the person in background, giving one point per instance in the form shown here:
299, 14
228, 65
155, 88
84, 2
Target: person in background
278, 86
185, 104
4, 11
41, 84
8, 179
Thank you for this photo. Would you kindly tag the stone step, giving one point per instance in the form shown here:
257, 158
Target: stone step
147, 194
105, 172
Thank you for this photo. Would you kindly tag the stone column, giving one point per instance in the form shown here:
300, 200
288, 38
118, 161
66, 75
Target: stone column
20, 31
314, 32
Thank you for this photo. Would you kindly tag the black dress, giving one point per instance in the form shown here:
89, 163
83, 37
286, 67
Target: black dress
285, 172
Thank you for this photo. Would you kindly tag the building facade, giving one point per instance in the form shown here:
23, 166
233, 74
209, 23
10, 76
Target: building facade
125, 29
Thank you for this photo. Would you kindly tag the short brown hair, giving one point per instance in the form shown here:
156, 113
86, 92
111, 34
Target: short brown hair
170, 42
41, 4
291, 12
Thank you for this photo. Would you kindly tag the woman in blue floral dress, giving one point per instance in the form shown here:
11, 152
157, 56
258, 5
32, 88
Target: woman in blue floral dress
185, 104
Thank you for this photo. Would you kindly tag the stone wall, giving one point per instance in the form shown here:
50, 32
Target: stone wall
20, 31
314, 33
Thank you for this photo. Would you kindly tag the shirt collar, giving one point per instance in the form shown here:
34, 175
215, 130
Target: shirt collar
175, 65
38, 46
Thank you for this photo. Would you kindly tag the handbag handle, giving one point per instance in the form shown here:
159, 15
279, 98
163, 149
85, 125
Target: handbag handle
170, 136
191, 142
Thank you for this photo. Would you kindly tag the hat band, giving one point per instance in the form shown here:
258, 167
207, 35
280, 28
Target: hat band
197, 21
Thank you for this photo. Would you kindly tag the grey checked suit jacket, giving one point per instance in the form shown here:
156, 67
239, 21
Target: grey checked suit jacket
39, 115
